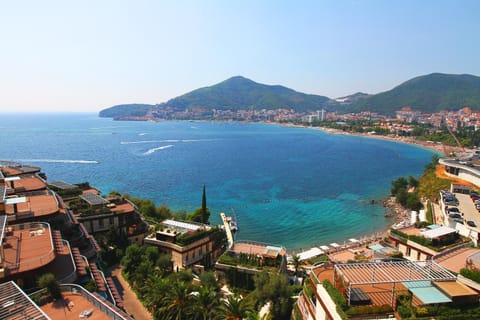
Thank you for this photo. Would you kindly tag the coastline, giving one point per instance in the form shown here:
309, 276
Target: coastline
439, 148
399, 214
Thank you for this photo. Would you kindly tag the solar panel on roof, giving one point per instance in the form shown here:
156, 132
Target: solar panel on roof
3, 192
63, 185
93, 199
15, 200
3, 224
180, 224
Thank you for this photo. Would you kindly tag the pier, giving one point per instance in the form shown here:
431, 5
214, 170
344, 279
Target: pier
228, 230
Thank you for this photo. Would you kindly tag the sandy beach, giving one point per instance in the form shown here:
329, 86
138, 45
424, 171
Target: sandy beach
440, 148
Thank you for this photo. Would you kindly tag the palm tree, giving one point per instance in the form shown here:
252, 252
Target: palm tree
234, 308
153, 292
256, 316
296, 263
49, 282
177, 303
205, 302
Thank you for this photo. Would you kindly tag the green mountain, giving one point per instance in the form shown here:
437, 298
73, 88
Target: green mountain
234, 94
242, 93
126, 110
429, 93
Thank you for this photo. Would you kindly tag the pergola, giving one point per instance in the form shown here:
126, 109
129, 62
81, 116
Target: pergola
389, 273
15, 304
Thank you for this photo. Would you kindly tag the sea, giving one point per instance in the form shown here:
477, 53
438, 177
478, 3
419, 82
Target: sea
295, 187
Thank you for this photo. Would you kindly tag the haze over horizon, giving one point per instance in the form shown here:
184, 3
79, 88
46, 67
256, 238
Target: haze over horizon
86, 56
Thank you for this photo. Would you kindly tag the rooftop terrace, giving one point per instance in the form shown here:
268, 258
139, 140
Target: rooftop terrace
78, 302
26, 184
27, 247
258, 249
31, 206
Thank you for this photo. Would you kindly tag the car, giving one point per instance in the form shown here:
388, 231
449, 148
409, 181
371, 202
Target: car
471, 223
455, 216
451, 203
453, 209
474, 198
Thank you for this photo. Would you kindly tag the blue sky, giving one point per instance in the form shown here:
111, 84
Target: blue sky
89, 55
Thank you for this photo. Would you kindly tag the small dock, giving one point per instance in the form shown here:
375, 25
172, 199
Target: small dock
228, 230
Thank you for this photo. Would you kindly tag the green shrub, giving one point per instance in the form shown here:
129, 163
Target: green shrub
404, 312
362, 310
336, 295
472, 274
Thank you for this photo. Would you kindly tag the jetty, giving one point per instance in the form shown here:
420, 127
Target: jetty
228, 230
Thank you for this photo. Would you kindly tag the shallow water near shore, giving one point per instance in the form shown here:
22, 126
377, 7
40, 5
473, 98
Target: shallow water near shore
295, 187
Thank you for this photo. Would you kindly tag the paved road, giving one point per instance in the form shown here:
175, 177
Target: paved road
468, 209
132, 305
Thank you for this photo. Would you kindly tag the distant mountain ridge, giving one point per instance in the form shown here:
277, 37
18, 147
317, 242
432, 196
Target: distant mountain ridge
428, 93
234, 94
126, 110
242, 93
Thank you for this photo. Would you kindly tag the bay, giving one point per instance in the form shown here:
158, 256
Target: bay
294, 187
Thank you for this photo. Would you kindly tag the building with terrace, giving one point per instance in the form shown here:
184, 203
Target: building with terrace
10, 168
375, 290
188, 243
418, 244
467, 170
247, 258
24, 196
99, 215
30, 249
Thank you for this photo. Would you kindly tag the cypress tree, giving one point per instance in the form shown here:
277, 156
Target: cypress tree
205, 211
204, 200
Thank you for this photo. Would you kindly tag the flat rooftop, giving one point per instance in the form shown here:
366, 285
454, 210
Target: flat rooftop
27, 249
27, 184
457, 259
257, 249
63, 185
77, 303
93, 199
39, 205
15, 170
455, 289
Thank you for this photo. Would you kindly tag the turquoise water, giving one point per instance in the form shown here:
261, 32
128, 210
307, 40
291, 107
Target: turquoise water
288, 186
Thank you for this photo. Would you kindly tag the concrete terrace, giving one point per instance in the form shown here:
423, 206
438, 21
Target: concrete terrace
456, 259
77, 302
26, 184
35, 205
27, 247
258, 249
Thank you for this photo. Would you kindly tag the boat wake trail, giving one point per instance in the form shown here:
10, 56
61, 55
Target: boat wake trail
162, 141
59, 161
152, 150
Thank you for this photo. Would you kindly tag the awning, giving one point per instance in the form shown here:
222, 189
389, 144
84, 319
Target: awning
426, 292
